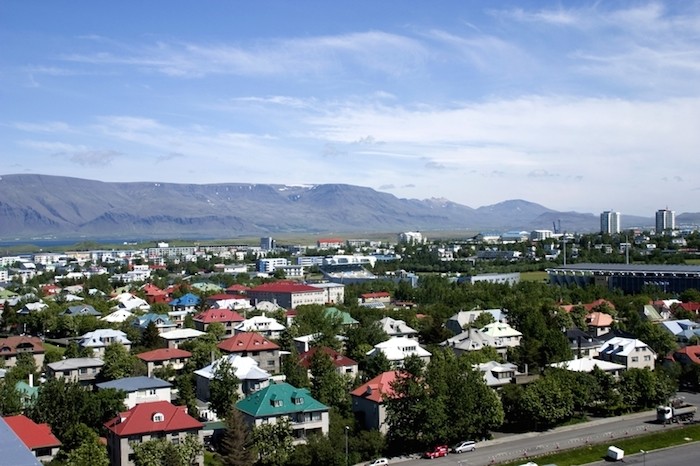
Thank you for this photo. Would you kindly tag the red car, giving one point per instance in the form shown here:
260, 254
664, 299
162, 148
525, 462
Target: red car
437, 452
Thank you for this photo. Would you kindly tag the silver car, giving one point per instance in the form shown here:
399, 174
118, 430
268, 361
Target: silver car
462, 447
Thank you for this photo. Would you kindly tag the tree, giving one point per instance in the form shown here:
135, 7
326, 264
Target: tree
150, 338
377, 364
546, 402
10, 400
317, 320
89, 453
405, 413
118, 363
236, 448
274, 442
295, 373
223, 388
327, 385
160, 452
217, 329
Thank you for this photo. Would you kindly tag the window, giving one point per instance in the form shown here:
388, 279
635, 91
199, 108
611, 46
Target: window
270, 363
152, 391
635, 359
158, 417
647, 357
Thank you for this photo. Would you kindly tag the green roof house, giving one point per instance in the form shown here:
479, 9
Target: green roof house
347, 319
306, 415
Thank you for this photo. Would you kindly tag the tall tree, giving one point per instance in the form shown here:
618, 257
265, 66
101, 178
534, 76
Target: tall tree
118, 363
327, 385
89, 453
405, 413
223, 388
274, 442
10, 401
150, 338
236, 448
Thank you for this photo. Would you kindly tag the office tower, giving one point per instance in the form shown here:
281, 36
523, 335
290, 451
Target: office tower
610, 222
665, 220
267, 244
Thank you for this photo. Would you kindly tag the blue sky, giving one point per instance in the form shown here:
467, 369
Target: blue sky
584, 106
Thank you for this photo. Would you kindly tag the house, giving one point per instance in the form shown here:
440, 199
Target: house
463, 319
629, 352
101, 338
13, 450
129, 302
343, 364
174, 338
307, 415
686, 356
368, 401
185, 303
81, 310
27, 392
251, 377
266, 326
162, 358
227, 301
650, 313
689, 307
683, 330
383, 297
497, 374
582, 344
266, 353
161, 321
228, 318
83, 370
287, 294
154, 294
118, 316
396, 349
13, 346
334, 292
28, 308
598, 323
588, 364
37, 437
147, 421
140, 389
346, 320
397, 328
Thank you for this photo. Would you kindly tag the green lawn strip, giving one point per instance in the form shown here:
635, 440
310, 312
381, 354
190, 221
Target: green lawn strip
537, 276
631, 446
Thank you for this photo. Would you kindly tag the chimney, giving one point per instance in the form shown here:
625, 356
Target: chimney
31, 380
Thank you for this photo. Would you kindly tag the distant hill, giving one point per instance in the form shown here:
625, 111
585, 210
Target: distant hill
38, 205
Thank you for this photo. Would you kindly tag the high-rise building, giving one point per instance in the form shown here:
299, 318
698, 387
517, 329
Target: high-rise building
610, 222
267, 243
665, 220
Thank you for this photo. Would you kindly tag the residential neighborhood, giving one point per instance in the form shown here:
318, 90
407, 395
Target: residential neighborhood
182, 355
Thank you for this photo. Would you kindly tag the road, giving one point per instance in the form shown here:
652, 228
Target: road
524, 446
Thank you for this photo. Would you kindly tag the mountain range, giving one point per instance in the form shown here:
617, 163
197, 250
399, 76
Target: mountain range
40, 205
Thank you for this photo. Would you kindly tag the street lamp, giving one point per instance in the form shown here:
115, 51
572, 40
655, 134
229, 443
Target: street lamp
644, 455
347, 459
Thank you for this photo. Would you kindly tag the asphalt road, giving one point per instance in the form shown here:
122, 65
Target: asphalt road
525, 446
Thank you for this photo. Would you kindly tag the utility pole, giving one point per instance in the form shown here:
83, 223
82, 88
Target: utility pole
347, 458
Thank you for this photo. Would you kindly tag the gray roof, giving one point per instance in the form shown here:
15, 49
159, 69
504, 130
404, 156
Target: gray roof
75, 363
12, 450
134, 384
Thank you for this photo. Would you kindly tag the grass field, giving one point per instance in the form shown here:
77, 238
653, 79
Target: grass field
538, 276
631, 446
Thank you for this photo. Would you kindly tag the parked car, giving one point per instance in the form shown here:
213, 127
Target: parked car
467, 445
378, 462
437, 452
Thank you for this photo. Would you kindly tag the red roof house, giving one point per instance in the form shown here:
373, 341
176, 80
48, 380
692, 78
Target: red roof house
37, 437
12, 346
368, 400
155, 294
227, 317
343, 364
262, 350
147, 421
164, 357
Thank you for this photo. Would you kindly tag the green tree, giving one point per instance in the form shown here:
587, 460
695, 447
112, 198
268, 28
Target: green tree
217, 329
118, 363
150, 338
313, 319
274, 442
405, 411
295, 373
223, 388
327, 385
89, 453
236, 448
546, 403
10, 400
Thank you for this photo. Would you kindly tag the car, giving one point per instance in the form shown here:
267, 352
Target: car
378, 462
467, 445
437, 452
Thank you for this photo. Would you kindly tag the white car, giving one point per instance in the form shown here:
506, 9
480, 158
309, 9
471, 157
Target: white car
378, 462
468, 445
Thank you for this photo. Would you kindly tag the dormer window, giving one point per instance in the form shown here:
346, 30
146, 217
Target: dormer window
158, 417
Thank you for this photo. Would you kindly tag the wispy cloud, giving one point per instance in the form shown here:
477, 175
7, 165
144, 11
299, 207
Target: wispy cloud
95, 158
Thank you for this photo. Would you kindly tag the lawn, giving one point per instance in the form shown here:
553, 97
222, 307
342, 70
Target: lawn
536, 276
631, 446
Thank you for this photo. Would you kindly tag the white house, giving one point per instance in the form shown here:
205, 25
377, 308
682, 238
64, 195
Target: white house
266, 326
140, 389
398, 348
101, 339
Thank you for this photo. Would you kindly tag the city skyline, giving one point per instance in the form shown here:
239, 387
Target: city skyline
569, 106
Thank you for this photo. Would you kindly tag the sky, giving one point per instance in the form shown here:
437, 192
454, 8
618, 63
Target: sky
576, 105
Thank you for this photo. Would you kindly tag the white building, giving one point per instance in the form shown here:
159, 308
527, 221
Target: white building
610, 222
665, 220
266, 326
270, 264
398, 348
412, 237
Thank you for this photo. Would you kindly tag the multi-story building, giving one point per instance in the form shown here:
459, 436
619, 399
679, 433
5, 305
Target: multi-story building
149, 421
140, 389
12, 347
288, 294
83, 370
270, 264
266, 353
629, 352
37, 437
161, 358
610, 222
282, 400
665, 220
